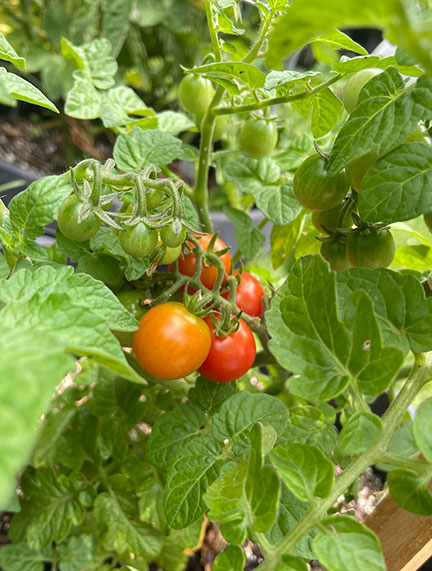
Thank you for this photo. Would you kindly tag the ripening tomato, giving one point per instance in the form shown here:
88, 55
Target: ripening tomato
195, 93
229, 357
171, 342
209, 272
334, 251
139, 240
258, 137
249, 294
69, 223
372, 248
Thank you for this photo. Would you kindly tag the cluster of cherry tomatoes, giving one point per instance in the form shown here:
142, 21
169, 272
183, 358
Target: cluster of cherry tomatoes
171, 342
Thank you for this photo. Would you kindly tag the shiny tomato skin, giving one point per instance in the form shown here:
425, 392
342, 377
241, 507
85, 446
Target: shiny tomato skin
373, 249
249, 295
229, 357
171, 342
209, 272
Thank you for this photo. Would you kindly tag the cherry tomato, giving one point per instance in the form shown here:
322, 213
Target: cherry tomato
329, 219
334, 251
229, 357
357, 169
171, 255
173, 235
354, 85
372, 248
258, 137
154, 198
138, 241
249, 294
209, 272
171, 342
315, 188
68, 220
195, 93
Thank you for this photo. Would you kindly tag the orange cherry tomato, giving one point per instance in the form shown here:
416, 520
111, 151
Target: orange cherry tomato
171, 342
209, 272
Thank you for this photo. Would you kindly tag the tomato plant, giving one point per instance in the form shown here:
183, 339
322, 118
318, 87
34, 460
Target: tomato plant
209, 272
315, 188
249, 295
229, 357
195, 93
427, 217
171, 342
69, 222
258, 137
139, 240
198, 422
370, 248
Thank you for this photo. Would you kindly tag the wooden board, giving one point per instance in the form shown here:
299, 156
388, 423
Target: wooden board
406, 538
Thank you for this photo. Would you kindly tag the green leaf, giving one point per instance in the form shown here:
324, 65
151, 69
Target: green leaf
410, 491
242, 411
284, 240
37, 206
172, 431
210, 396
309, 338
20, 557
134, 151
9, 54
386, 112
306, 20
243, 72
194, 468
87, 292
423, 428
346, 65
326, 110
224, 498
51, 506
78, 553
278, 203
397, 185
304, 469
262, 485
347, 544
174, 122
401, 443
94, 60
291, 512
250, 240
287, 78
23, 90
339, 40
232, 558
291, 563
361, 431
404, 315
83, 100
26, 356
252, 174
122, 533
307, 424
5, 97
115, 23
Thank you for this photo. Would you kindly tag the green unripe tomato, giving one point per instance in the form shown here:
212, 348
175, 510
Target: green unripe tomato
315, 188
131, 299
354, 85
138, 241
195, 93
68, 220
258, 137
427, 217
327, 220
372, 248
334, 251
154, 198
220, 126
171, 255
357, 169
173, 235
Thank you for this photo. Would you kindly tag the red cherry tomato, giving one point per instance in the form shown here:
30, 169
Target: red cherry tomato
171, 342
249, 295
209, 272
229, 357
